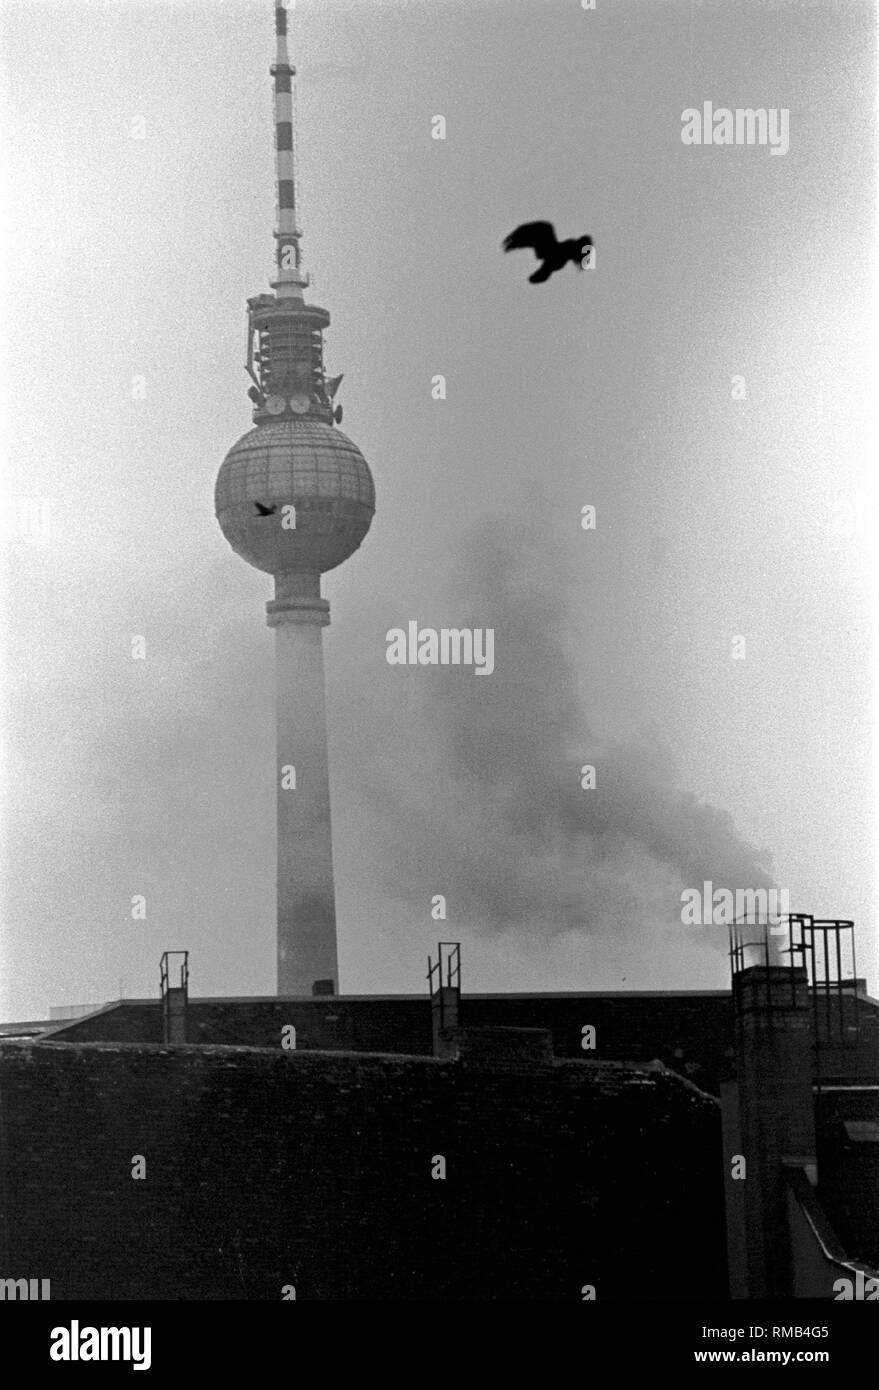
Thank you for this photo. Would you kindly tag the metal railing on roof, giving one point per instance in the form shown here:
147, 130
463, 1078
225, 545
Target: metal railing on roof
820, 953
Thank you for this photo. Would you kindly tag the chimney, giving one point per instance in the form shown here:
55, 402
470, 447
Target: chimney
768, 1112
444, 981
175, 997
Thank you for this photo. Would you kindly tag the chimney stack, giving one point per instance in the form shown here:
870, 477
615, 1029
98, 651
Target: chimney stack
175, 997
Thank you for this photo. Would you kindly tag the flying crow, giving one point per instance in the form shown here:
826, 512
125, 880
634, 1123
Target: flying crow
540, 238
264, 511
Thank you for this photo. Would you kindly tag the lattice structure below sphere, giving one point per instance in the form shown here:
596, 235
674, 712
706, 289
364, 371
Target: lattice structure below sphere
311, 465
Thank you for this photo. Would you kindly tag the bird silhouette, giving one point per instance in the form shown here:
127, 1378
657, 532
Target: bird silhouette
264, 511
540, 238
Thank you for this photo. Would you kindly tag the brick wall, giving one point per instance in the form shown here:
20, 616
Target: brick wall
690, 1033
267, 1168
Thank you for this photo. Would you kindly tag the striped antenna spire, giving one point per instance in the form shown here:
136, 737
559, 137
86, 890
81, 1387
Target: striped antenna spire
290, 281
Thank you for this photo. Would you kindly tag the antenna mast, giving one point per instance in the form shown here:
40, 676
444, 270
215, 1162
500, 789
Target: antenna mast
290, 281
284, 334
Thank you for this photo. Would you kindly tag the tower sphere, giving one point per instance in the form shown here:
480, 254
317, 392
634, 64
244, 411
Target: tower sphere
314, 467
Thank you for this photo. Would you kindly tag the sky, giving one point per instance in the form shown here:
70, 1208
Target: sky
706, 387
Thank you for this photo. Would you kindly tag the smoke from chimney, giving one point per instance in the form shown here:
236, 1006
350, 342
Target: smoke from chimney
488, 804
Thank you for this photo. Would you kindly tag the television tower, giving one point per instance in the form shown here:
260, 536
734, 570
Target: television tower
295, 497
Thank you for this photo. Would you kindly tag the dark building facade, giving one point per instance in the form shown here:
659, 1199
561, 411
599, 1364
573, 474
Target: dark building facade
670, 1146
355, 1175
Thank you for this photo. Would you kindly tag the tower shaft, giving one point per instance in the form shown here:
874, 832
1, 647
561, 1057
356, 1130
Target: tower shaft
307, 953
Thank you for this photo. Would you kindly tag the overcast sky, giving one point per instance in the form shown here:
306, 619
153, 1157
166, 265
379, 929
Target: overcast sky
716, 517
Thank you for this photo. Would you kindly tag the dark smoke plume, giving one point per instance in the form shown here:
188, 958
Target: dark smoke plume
489, 807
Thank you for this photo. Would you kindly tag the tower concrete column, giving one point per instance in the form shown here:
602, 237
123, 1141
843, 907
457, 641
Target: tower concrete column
306, 895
